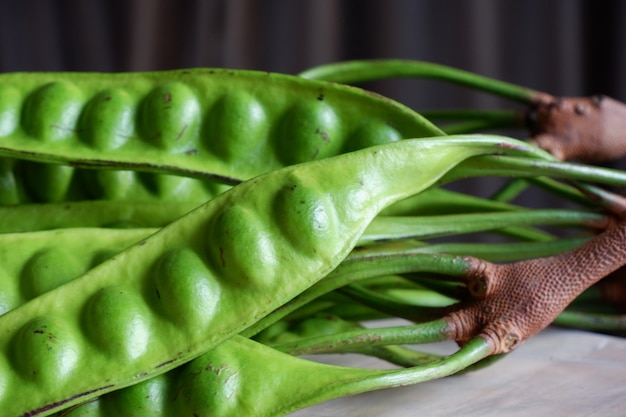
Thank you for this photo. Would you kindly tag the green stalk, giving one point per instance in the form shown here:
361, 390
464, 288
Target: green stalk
454, 122
393, 258
511, 190
389, 305
434, 331
523, 167
449, 290
565, 191
364, 381
428, 227
614, 203
366, 264
351, 72
518, 185
592, 321
399, 355
438, 201
417, 294
506, 252
351, 310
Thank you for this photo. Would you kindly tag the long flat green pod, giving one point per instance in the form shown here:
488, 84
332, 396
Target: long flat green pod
23, 181
429, 227
210, 274
91, 213
120, 213
34, 263
223, 124
241, 377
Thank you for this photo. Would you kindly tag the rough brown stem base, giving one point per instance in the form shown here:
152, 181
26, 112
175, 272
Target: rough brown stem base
585, 129
517, 300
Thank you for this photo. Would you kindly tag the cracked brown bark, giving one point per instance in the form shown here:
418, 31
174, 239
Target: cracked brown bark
585, 129
512, 302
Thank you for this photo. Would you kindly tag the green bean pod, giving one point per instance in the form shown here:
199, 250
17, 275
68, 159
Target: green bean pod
119, 213
227, 125
41, 261
207, 393
234, 379
23, 181
91, 213
34, 263
210, 274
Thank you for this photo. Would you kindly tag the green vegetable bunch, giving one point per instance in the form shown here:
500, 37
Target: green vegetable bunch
172, 242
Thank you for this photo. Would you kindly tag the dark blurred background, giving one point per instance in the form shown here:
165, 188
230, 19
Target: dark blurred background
564, 47
567, 47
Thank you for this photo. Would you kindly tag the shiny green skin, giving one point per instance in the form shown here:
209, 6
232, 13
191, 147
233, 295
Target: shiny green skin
126, 214
23, 182
240, 377
42, 261
37, 262
32, 264
209, 275
91, 213
224, 125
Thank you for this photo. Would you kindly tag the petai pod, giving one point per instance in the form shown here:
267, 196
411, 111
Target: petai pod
91, 213
34, 263
211, 274
23, 181
126, 214
200, 380
230, 380
228, 125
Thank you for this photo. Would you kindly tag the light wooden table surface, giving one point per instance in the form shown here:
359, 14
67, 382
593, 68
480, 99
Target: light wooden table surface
557, 373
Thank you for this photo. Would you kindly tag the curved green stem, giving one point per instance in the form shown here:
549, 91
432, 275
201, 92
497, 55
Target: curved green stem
473, 352
439, 201
511, 190
412, 292
583, 194
566, 191
227, 372
399, 355
350, 72
366, 264
592, 321
428, 227
522, 167
434, 331
612, 202
506, 252
454, 122
390, 305
232, 380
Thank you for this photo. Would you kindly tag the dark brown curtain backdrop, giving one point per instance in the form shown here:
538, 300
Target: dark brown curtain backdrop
152, 34
565, 47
